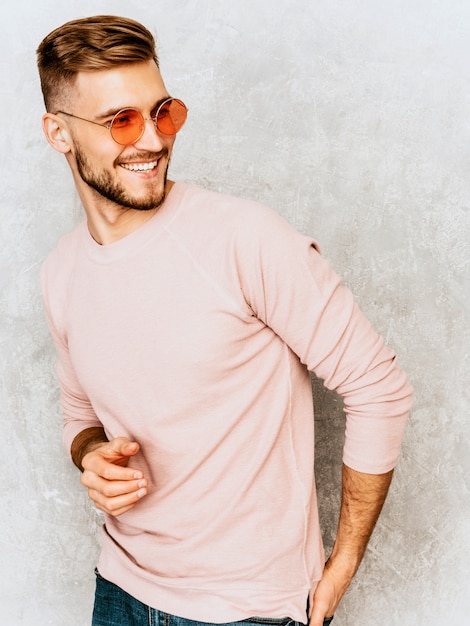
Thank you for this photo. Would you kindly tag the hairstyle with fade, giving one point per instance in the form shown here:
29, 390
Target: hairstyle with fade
87, 45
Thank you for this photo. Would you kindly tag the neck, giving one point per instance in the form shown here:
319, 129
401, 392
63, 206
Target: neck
108, 222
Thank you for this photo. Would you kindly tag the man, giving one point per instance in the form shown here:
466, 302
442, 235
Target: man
186, 323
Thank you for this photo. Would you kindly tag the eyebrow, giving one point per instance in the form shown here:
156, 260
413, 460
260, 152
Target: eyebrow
112, 112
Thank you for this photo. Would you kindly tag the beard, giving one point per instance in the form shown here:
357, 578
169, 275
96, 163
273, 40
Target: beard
111, 189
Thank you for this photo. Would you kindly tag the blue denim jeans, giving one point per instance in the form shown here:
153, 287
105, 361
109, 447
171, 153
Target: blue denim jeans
115, 607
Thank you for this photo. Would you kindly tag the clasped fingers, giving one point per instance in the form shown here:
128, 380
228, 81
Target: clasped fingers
114, 497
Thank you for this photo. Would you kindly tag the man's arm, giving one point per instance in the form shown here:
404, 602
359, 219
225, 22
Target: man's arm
113, 487
363, 496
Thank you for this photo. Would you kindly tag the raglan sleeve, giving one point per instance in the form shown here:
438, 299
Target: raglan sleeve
77, 411
294, 291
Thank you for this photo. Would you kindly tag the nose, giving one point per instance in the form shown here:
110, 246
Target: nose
151, 140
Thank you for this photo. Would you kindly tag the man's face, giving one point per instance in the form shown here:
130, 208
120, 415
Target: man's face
132, 176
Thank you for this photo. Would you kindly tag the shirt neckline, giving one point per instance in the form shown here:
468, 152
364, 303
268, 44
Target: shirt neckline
137, 238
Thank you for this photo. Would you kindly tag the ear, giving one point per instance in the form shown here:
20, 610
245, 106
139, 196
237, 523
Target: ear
57, 133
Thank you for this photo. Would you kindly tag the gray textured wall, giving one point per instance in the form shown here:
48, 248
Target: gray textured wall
350, 118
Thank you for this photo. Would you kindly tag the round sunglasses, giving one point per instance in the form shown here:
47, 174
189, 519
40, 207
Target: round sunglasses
128, 125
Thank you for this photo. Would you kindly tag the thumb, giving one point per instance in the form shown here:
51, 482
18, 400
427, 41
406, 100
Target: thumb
317, 619
122, 447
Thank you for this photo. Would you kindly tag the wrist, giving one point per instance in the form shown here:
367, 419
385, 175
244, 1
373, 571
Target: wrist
86, 441
344, 561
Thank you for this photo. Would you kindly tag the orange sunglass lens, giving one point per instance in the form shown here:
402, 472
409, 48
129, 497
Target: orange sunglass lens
171, 116
127, 126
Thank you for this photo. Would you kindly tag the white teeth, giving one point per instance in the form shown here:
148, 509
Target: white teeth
140, 167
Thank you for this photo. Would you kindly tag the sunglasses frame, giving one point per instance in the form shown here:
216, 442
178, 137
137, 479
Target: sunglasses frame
153, 119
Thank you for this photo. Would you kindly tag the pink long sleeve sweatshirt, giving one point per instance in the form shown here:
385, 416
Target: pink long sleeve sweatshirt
194, 336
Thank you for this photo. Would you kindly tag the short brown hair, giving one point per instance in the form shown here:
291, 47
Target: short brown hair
89, 44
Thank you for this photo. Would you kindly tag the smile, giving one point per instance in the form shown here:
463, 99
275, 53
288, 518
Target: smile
140, 167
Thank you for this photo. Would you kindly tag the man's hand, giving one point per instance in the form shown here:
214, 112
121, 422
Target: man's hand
113, 487
329, 591
363, 496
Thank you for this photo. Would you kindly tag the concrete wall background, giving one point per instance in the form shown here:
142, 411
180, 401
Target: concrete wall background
351, 118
